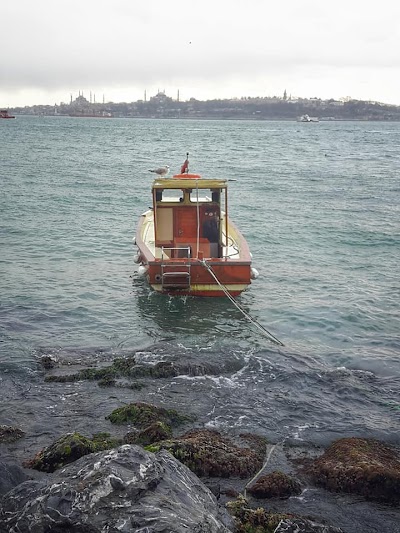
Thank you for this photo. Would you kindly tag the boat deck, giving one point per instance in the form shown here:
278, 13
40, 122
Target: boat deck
231, 251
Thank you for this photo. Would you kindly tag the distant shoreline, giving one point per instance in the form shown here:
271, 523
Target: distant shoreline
254, 119
162, 106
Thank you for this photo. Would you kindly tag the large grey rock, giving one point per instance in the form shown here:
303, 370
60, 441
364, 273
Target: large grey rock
121, 490
10, 476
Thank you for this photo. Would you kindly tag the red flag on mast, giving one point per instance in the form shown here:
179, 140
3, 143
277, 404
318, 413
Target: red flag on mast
185, 166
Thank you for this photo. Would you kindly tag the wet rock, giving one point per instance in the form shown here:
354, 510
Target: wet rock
153, 433
361, 466
165, 369
207, 453
10, 434
302, 525
121, 367
131, 436
126, 489
107, 382
128, 368
275, 485
68, 449
142, 415
249, 520
10, 476
230, 492
48, 362
258, 520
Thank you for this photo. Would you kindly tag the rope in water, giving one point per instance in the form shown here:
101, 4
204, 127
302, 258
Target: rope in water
261, 328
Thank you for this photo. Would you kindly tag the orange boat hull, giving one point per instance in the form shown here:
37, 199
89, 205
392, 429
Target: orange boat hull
233, 277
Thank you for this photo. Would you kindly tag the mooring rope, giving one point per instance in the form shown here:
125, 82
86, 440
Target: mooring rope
263, 330
265, 463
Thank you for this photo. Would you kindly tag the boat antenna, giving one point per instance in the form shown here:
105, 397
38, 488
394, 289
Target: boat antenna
185, 166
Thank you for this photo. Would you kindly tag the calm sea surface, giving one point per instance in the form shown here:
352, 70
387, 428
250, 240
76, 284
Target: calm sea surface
319, 205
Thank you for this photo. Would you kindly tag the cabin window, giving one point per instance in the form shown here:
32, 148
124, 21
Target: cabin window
205, 195
169, 195
202, 195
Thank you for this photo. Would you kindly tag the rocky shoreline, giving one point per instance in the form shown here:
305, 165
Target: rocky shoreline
156, 478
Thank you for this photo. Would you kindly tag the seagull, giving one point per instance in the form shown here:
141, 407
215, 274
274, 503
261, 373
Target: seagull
162, 171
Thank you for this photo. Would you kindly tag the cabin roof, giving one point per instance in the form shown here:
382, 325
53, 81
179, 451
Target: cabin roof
176, 183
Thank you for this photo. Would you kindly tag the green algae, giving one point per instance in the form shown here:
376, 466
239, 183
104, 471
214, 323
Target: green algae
367, 467
68, 449
121, 367
209, 454
275, 484
248, 520
143, 415
153, 448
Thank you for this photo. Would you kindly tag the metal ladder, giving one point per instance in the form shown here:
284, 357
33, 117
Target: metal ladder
175, 274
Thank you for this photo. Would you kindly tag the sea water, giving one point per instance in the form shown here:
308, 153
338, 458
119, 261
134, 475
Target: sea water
319, 206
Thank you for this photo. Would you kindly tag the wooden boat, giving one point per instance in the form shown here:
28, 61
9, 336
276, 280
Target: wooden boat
307, 118
5, 114
186, 242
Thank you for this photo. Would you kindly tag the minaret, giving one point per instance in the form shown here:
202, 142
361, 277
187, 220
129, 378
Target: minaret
178, 96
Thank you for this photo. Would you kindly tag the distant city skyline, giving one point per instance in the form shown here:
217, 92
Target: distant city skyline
94, 98
213, 50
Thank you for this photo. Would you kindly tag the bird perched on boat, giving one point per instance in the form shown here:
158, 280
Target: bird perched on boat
162, 171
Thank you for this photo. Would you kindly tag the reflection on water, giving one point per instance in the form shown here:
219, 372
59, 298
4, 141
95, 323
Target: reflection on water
191, 317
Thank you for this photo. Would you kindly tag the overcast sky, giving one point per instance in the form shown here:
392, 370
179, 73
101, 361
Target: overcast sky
206, 49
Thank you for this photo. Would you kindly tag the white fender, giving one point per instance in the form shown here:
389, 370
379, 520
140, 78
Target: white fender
254, 273
142, 270
136, 258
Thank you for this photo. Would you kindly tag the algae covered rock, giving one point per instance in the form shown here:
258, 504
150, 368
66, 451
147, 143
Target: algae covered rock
249, 520
275, 485
125, 489
68, 449
142, 415
361, 466
153, 433
120, 367
207, 453
10, 433
259, 520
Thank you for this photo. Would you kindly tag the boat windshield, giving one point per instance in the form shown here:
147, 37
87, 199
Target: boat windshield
170, 195
205, 195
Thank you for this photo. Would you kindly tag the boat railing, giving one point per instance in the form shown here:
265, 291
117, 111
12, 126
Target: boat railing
176, 252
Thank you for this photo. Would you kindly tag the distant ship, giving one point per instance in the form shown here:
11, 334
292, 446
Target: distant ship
5, 114
307, 118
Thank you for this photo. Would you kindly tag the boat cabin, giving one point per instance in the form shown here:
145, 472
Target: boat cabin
190, 216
